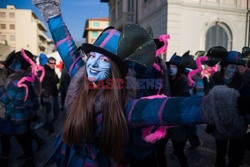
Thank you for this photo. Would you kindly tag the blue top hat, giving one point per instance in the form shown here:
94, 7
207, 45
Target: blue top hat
233, 57
43, 59
107, 44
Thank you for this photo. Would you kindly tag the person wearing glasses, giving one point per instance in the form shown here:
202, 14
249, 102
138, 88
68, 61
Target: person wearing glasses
49, 96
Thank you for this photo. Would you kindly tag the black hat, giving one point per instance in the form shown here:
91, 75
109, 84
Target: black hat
158, 43
215, 55
175, 60
137, 45
188, 61
246, 54
16, 62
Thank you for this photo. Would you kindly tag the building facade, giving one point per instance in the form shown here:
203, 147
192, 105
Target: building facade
21, 28
192, 24
4, 51
93, 28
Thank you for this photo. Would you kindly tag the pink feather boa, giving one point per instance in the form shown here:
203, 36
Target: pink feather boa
199, 69
34, 70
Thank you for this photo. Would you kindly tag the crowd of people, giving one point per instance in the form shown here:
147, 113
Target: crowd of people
23, 92
122, 101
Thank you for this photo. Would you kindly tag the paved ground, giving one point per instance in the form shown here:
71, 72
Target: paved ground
204, 156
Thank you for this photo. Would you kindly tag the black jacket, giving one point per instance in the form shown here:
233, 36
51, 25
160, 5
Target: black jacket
49, 83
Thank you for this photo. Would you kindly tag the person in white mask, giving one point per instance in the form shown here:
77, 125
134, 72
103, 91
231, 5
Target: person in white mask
178, 87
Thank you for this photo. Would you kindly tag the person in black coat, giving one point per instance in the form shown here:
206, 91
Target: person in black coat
49, 96
230, 76
64, 84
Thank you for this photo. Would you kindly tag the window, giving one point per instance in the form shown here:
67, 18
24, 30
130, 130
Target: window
2, 37
2, 14
12, 37
130, 5
2, 26
12, 26
11, 15
96, 24
219, 35
94, 34
130, 13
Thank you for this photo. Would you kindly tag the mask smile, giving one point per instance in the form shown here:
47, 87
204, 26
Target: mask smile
94, 71
98, 67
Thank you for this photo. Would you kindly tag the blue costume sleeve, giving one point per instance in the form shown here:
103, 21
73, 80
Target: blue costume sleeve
146, 112
65, 44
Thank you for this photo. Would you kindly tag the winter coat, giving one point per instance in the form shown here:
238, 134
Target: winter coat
49, 83
140, 113
217, 79
17, 111
64, 81
179, 87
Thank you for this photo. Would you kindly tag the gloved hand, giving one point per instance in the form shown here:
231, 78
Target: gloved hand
48, 8
219, 109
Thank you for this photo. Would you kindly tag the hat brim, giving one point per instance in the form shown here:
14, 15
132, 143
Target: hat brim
168, 63
158, 43
87, 48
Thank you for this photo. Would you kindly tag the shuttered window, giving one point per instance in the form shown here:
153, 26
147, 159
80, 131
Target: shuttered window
219, 35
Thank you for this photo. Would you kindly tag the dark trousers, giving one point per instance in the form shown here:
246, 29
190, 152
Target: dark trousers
150, 160
235, 151
52, 111
24, 140
178, 147
160, 151
192, 136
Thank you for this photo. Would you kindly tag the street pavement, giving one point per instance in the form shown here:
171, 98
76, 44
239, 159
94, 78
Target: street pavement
203, 156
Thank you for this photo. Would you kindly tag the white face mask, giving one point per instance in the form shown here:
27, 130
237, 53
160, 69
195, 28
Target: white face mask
173, 70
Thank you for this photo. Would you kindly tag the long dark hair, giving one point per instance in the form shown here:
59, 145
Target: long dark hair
80, 124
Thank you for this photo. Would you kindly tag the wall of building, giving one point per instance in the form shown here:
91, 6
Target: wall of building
28, 32
152, 16
94, 27
4, 51
187, 21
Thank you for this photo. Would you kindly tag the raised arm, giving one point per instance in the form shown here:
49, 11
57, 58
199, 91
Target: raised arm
65, 45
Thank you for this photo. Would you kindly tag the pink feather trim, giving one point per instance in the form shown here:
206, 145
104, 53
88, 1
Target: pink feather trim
154, 96
209, 71
34, 70
157, 135
199, 69
163, 38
